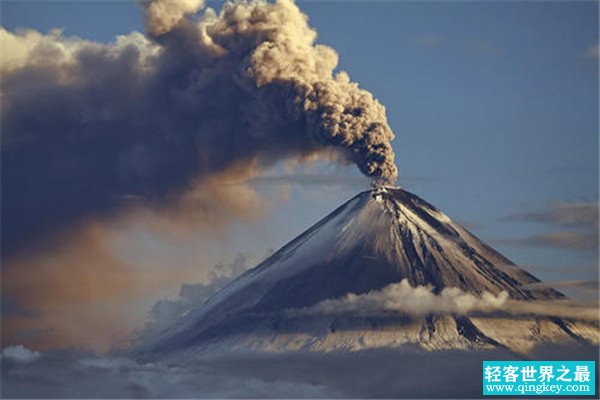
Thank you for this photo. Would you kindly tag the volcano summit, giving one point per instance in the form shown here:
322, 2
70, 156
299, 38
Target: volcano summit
386, 269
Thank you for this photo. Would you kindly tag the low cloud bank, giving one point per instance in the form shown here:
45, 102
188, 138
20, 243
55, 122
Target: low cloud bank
578, 223
383, 373
72, 374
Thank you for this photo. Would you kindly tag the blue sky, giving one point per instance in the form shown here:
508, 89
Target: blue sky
494, 104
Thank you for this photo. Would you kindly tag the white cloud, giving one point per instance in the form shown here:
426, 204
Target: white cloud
421, 300
593, 52
20, 354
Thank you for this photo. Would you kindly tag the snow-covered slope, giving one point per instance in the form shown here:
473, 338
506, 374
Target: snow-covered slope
378, 238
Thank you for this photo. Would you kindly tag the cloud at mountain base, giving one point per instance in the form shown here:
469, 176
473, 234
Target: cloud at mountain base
379, 373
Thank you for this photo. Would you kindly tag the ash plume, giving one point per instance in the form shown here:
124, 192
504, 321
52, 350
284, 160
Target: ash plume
163, 15
153, 115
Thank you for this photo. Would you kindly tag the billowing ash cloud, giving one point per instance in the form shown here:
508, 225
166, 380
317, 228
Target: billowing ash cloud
152, 116
163, 15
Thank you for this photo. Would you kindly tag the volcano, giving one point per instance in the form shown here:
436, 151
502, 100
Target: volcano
381, 237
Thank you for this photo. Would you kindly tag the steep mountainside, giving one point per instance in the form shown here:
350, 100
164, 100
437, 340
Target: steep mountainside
378, 238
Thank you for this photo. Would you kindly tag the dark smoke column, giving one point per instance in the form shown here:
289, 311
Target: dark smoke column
151, 116
271, 53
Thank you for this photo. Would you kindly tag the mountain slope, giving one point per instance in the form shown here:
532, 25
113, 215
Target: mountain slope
378, 238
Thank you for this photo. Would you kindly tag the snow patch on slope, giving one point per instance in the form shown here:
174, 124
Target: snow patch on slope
384, 269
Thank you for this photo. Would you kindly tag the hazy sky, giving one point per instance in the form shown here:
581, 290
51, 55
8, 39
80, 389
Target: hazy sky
494, 106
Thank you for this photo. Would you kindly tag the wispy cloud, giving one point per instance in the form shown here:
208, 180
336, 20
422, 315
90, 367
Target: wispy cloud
328, 180
471, 225
480, 46
583, 215
588, 285
587, 269
578, 223
593, 52
584, 290
432, 41
312, 180
567, 240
